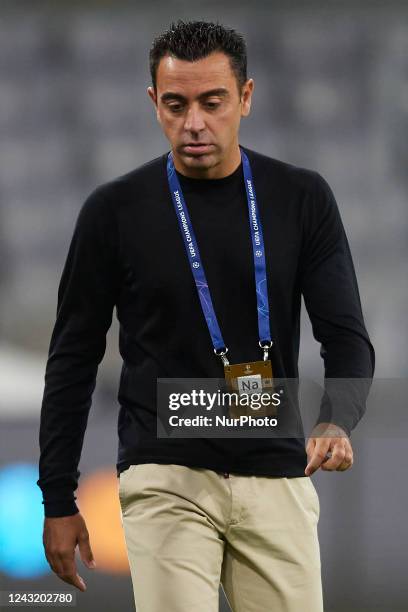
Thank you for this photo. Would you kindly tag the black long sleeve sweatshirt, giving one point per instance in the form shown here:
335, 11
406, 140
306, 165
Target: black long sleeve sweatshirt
127, 251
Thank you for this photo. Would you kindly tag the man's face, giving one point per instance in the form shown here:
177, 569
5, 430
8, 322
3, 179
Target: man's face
199, 109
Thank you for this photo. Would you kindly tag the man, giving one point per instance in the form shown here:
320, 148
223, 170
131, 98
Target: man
199, 511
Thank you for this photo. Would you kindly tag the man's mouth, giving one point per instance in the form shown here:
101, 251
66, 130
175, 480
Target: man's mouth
198, 148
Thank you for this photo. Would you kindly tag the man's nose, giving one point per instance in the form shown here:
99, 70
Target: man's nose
194, 120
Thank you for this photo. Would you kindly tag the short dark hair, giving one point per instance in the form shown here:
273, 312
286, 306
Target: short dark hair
193, 40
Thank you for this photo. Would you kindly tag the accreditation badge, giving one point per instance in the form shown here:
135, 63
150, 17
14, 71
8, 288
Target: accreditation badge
246, 379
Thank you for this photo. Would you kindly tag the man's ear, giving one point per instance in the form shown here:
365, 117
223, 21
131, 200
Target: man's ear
246, 97
152, 95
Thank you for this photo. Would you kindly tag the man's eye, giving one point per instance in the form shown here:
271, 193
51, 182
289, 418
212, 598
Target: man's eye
212, 104
175, 107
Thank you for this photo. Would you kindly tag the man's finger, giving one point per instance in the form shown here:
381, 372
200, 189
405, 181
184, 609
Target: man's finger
337, 458
318, 456
54, 562
310, 446
85, 550
74, 579
69, 572
347, 462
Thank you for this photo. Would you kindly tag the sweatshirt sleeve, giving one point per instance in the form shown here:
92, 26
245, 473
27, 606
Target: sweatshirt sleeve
86, 298
332, 300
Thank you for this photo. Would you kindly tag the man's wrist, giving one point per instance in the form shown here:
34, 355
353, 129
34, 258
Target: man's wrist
326, 429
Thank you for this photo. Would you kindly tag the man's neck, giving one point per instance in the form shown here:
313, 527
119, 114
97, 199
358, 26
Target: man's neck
223, 168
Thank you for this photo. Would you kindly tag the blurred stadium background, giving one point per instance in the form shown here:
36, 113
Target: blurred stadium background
331, 94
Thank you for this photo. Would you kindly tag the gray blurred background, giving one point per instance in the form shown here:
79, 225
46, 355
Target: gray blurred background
331, 94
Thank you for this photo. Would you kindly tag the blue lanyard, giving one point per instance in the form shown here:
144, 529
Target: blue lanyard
196, 265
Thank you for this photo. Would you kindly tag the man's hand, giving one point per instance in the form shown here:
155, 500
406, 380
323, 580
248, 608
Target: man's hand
60, 537
328, 438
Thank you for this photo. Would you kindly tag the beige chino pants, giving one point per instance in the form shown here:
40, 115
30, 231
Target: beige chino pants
189, 529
